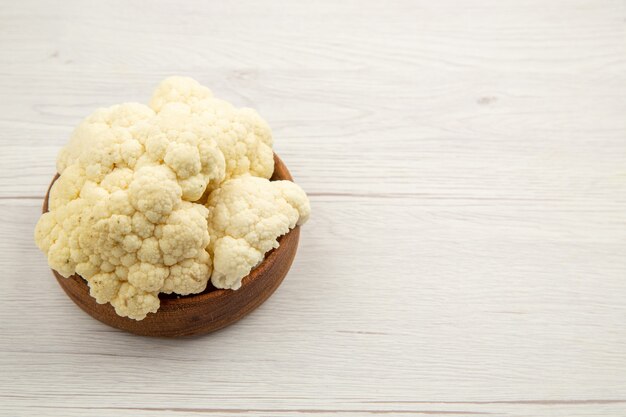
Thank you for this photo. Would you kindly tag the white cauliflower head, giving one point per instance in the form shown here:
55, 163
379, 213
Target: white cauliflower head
125, 213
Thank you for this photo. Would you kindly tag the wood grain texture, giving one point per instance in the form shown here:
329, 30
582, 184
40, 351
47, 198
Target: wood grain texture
195, 314
466, 163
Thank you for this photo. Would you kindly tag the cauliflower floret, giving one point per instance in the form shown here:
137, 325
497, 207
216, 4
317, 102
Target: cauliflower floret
104, 286
147, 276
189, 276
234, 259
178, 89
154, 192
134, 303
236, 132
246, 217
97, 141
244, 138
184, 232
192, 154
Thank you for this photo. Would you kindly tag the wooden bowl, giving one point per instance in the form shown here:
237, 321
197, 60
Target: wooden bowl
200, 313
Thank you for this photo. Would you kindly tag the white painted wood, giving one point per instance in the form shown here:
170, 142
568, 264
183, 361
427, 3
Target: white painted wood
466, 163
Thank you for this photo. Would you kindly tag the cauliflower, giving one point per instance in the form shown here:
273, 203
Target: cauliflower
246, 216
126, 213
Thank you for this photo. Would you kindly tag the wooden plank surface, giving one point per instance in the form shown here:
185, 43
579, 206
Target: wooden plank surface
466, 163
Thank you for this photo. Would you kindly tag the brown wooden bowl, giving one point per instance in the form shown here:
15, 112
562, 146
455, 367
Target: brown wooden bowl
200, 313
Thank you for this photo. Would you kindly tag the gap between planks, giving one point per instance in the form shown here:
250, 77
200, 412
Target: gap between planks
270, 410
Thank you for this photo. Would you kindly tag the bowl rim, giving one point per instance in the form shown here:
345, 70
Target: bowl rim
176, 300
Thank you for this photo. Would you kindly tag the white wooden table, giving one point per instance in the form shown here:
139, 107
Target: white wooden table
466, 163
